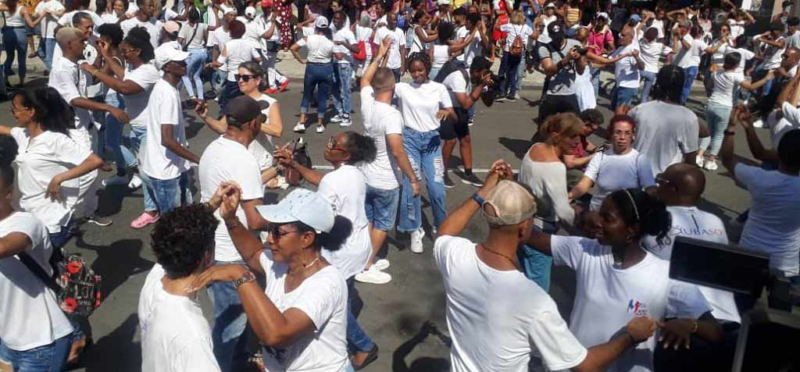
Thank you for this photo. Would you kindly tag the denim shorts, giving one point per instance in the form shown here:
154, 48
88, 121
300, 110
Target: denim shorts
381, 207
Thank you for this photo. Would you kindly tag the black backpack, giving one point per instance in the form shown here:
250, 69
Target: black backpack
448, 68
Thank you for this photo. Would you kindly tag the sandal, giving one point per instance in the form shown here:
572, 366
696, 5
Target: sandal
76, 352
371, 357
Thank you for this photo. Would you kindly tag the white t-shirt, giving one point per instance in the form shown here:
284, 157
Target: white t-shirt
29, 313
152, 26
665, 132
455, 83
718, 58
726, 87
365, 34
398, 39
380, 120
608, 297
257, 29
39, 160
789, 121
737, 28
774, 224
323, 298
485, 336
346, 36
690, 57
175, 335
611, 172
650, 53
71, 83
523, 31
49, 22
262, 147
694, 223
420, 103
218, 38
228, 160
320, 49
625, 70
236, 52
471, 50
772, 56
659, 25
164, 108
746, 56
193, 36
346, 190
146, 76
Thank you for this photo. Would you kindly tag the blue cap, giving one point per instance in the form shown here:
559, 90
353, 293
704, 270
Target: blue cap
301, 205
636, 18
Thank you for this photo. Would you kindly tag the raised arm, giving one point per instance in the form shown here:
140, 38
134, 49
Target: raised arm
458, 219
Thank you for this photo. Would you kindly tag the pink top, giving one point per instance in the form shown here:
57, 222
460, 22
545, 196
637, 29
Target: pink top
597, 41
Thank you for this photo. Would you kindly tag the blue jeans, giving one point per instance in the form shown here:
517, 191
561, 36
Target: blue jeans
381, 207
113, 135
194, 66
49, 49
230, 322
47, 358
424, 150
509, 85
15, 41
690, 74
138, 140
434, 72
623, 96
59, 240
341, 98
219, 80
356, 337
717, 117
649, 79
537, 266
596, 80
319, 76
165, 193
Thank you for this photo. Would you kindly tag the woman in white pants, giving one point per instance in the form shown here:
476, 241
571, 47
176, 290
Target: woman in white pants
270, 38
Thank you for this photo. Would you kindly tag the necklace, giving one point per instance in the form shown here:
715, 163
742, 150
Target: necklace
311, 264
501, 255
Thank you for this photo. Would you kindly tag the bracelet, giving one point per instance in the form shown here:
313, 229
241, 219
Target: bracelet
415, 181
696, 326
247, 277
478, 199
729, 132
233, 225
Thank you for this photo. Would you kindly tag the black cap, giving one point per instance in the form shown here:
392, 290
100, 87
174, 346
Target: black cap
555, 30
241, 110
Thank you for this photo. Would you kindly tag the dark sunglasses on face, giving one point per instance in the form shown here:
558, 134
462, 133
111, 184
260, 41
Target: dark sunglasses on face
276, 232
332, 145
245, 78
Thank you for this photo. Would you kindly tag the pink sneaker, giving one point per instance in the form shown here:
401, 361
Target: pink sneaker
144, 220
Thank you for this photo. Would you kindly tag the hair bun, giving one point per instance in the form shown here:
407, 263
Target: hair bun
8, 150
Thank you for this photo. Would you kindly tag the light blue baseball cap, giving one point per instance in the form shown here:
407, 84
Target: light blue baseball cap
301, 205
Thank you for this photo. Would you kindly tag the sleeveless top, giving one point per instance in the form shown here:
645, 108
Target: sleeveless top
440, 56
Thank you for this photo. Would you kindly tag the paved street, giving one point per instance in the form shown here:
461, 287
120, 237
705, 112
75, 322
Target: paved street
393, 313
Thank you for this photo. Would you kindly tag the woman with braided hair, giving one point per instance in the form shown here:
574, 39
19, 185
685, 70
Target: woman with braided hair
423, 104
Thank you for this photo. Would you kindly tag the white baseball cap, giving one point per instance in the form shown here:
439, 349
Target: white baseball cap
167, 55
250, 11
321, 22
301, 205
228, 9
443, 2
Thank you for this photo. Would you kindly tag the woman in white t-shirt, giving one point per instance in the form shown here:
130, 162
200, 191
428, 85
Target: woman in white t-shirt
16, 18
616, 168
420, 35
364, 33
726, 85
346, 189
34, 331
444, 48
235, 52
618, 280
319, 72
423, 104
193, 35
301, 316
512, 65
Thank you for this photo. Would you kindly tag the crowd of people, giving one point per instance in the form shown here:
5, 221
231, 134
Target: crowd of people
286, 271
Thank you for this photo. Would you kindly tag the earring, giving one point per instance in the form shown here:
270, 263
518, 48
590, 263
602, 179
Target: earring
629, 239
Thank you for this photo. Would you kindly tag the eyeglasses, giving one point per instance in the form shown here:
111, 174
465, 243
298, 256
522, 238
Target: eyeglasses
18, 109
622, 133
277, 234
332, 145
245, 78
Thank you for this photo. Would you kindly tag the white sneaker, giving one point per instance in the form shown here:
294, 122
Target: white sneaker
346, 122
299, 128
320, 128
711, 165
416, 240
337, 119
115, 180
700, 160
373, 276
381, 264
136, 182
758, 124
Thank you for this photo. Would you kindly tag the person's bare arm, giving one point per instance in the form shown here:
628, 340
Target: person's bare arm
89, 164
739, 113
168, 141
13, 244
425, 38
458, 219
746, 85
366, 80
126, 87
775, 43
275, 126
574, 162
791, 92
295, 49
88, 104
398, 151
756, 147
600, 357
583, 186
218, 126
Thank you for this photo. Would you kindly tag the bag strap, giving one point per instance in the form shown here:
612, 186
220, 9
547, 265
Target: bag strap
196, 26
37, 270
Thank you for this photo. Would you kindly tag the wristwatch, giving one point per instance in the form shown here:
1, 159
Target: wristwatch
247, 277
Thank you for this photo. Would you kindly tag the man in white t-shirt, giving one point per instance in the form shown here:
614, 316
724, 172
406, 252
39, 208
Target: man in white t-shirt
217, 41
267, 26
166, 154
50, 11
496, 316
227, 159
384, 124
175, 334
627, 69
651, 49
775, 45
345, 45
397, 52
690, 48
144, 18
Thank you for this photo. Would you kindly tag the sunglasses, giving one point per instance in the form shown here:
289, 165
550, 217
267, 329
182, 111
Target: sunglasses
245, 78
276, 232
332, 145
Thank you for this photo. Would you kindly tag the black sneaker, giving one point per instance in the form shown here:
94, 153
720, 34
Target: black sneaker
471, 179
448, 183
99, 221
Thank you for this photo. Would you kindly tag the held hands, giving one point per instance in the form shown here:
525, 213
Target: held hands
740, 116
231, 195
217, 273
641, 328
201, 109
225, 188
120, 115
500, 170
284, 156
677, 332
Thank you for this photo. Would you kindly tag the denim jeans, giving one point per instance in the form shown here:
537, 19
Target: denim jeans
319, 76
47, 358
356, 337
623, 96
434, 72
341, 101
49, 49
690, 74
194, 66
536, 265
717, 117
649, 79
59, 240
381, 207
512, 63
230, 322
138, 140
165, 193
113, 136
15, 41
424, 150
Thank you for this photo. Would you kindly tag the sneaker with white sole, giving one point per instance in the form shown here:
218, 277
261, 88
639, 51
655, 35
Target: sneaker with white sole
346, 121
299, 128
416, 240
320, 128
700, 160
115, 180
337, 118
136, 182
373, 276
471, 179
448, 183
758, 124
381, 264
98, 220
711, 165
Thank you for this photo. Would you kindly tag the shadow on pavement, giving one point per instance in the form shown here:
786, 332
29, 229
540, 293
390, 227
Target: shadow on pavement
423, 364
116, 349
518, 146
117, 262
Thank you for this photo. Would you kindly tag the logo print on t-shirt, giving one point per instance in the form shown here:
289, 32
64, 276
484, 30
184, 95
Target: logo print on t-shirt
637, 308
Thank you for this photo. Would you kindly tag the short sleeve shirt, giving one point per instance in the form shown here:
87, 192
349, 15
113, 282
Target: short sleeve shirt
563, 83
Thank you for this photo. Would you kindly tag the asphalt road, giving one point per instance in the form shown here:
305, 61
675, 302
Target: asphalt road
392, 314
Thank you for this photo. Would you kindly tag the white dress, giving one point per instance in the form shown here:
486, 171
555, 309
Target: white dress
585, 91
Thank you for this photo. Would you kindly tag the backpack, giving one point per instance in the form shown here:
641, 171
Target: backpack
448, 68
517, 46
76, 286
362, 51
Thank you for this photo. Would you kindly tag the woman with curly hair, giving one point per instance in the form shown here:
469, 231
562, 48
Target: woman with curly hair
423, 104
